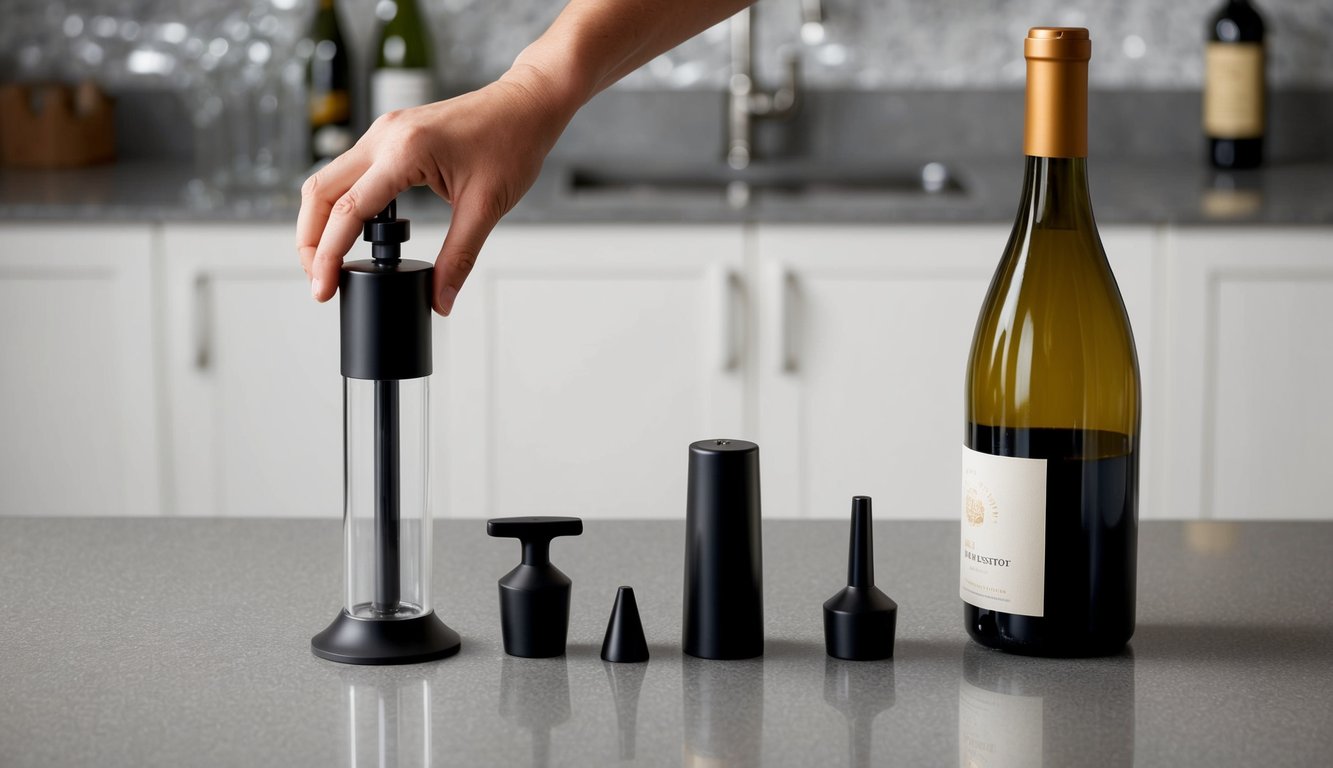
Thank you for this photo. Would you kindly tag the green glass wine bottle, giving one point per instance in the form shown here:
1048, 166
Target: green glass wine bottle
327, 80
402, 76
1050, 455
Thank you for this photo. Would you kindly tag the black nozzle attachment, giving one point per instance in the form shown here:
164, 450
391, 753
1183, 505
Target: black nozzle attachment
624, 642
860, 621
385, 307
534, 597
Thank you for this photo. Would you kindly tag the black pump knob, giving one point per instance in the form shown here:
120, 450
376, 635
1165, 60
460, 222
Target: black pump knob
385, 232
534, 597
860, 621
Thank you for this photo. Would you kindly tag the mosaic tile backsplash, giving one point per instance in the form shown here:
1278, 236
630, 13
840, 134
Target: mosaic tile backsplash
898, 44
861, 44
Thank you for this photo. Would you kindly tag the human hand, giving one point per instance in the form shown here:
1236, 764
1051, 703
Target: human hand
481, 152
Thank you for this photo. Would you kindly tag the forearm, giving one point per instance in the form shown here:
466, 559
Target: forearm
594, 43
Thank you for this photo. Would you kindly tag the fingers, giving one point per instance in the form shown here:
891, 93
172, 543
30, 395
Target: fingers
365, 198
472, 222
318, 194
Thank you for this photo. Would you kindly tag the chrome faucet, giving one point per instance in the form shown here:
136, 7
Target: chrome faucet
747, 102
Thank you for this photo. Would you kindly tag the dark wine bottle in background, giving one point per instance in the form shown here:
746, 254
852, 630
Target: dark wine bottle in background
402, 76
1234, 91
1050, 454
328, 81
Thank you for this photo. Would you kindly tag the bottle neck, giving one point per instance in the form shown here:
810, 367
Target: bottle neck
406, 12
1055, 193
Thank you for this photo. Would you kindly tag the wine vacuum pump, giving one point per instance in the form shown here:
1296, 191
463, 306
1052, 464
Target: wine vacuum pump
385, 307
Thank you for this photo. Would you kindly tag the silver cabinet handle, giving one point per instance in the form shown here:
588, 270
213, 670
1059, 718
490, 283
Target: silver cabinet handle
784, 351
203, 321
724, 289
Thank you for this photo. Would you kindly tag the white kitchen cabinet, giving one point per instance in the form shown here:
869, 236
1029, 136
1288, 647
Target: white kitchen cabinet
79, 390
863, 343
1250, 347
183, 369
580, 363
255, 393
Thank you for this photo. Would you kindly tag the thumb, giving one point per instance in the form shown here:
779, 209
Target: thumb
468, 229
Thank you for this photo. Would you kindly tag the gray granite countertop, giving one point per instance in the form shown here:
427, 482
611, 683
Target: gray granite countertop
1124, 192
186, 642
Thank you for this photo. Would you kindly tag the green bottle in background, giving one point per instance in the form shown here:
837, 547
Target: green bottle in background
402, 76
327, 81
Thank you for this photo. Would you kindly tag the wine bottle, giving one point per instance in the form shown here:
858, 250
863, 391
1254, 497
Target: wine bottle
1234, 90
327, 80
402, 76
1050, 453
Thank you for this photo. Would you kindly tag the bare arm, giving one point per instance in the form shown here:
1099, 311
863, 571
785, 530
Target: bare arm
483, 150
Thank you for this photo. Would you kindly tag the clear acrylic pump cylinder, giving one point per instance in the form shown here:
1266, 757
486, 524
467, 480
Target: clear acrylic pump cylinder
386, 517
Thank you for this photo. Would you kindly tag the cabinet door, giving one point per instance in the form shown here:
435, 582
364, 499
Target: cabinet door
582, 361
252, 370
78, 394
863, 349
1251, 355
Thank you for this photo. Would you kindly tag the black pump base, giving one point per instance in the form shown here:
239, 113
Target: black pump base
350, 640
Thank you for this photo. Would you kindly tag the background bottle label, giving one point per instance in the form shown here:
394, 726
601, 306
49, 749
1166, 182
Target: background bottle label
1002, 562
331, 141
392, 89
1233, 93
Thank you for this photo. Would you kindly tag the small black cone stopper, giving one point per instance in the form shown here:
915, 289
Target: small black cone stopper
534, 597
624, 642
859, 621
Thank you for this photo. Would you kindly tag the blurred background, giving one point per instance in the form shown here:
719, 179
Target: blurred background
808, 279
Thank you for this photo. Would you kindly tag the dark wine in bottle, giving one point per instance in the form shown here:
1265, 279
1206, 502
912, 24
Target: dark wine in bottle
1234, 92
1050, 453
327, 81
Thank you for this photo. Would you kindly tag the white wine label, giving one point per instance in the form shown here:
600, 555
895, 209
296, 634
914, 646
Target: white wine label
1233, 92
1003, 556
393, 89
331, 141
997, 730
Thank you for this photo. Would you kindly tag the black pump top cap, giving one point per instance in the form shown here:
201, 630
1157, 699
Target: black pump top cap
385, 307
535, 533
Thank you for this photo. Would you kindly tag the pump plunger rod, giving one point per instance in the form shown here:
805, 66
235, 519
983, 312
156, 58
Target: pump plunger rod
388, 590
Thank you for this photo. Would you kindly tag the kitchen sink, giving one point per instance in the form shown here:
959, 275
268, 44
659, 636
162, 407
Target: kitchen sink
931, 180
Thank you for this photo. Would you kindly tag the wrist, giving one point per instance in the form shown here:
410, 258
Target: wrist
556, 93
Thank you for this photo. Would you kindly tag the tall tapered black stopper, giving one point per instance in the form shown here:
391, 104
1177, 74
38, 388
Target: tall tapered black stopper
860, 621
624, 641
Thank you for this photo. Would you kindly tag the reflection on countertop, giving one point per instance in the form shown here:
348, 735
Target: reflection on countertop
1014, 710
186, 641
388, 720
